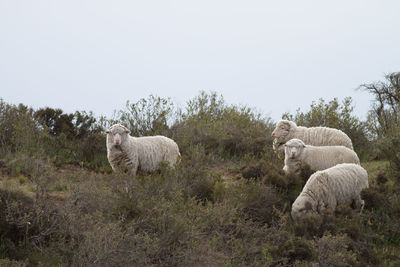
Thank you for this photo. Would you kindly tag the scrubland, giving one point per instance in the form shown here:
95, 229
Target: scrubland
226, 204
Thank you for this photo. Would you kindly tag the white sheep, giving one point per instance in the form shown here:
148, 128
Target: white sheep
139, 153
319, 158
316, 136
341, 184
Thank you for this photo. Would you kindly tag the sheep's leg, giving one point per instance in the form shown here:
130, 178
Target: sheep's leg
359, 203
362, 205
133, 166
321, 207
285, 169
114, 165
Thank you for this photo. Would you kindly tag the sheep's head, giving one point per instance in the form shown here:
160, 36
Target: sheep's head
282, 130
117, 135
303, 206
294, 148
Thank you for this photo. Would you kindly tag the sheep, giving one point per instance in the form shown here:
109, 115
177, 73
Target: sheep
341, 184
319, 158
316, 136
138, 153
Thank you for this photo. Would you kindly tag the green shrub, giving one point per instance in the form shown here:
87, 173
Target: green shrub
315, 225
151, 116
222, 129
256, 201
373, 198
25, 223
18, 132
390, 147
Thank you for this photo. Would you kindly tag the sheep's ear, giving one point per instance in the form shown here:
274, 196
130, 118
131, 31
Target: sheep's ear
308, 205
287, 125
108, 131
127, 131
304, 145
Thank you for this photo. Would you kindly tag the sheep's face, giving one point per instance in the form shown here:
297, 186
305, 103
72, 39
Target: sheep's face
117, 135
281, 130
294, 148
302, 207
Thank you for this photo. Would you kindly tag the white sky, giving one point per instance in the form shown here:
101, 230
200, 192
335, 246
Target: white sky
95, 55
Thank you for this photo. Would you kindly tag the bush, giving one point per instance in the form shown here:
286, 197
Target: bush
12, 263
225, 130
151, 116
255, 170
25, 223
315, 225
257, 202
73, 138
18, 132
389, 146
373, 198
334, 251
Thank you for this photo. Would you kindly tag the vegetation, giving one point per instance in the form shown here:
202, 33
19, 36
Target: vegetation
227, 202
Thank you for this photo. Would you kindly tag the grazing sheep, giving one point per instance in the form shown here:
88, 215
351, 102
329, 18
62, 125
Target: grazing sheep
144, 153
316, 136
319, 158
326, 189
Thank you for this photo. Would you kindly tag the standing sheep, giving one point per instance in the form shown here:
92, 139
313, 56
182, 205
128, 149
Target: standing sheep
319, 158
316, 136
341, 184
144, 153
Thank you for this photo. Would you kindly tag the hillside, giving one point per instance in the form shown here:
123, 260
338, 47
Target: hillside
226, 204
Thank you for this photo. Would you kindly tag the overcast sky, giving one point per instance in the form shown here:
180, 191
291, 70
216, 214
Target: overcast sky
274, 56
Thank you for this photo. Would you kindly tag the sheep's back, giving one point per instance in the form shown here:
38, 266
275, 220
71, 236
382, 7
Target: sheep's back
152, 150
324, 157
323, 136
341, 182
